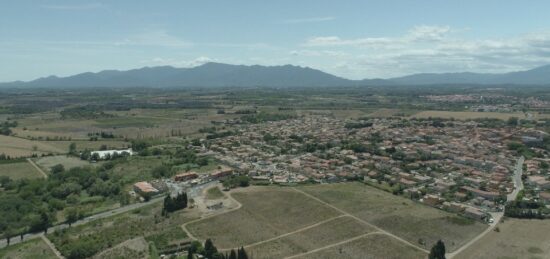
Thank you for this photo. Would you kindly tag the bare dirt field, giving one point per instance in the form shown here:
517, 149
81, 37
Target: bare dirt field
402, 217
517, 238
266, 213
19, 170
467, 115
370, 246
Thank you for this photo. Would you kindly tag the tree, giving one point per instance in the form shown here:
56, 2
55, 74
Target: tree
437, 251
241, 253
59, 168
72, 216
209, 249
72, 148
232, 254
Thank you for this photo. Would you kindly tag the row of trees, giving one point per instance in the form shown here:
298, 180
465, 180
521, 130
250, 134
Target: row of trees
172, 204
211, 252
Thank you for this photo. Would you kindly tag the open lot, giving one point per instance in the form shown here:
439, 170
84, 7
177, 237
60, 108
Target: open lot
402, 217
369, 246
517, 238
35, 248
266, 213
19, 170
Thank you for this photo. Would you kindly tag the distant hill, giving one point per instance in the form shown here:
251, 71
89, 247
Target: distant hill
537, 76
225, 75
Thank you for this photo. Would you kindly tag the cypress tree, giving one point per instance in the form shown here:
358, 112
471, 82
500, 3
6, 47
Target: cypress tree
437, 251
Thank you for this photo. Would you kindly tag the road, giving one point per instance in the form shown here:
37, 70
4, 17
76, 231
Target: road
518, 183
497, 216
192, 192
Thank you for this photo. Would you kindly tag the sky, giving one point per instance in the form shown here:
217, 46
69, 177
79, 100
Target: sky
348, 38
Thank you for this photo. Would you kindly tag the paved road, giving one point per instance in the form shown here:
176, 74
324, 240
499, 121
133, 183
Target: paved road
192, 192
497, 216
518, 183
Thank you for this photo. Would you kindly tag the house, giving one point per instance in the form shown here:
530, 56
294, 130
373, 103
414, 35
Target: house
145, 189
474, 213
181, 177
221, 173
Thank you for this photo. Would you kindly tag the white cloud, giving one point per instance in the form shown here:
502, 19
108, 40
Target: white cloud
309, 20
159, 61
428, 48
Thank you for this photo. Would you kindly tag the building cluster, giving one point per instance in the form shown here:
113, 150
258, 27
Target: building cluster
452, 165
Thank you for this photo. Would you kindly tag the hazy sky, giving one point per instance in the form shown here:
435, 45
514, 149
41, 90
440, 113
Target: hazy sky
353, 39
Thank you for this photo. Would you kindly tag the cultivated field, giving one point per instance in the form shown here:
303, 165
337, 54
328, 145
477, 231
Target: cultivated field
18, 147
370, 246
319, 236
35, 248
266, 213
402, 217
517, 238
19, 170
467, 115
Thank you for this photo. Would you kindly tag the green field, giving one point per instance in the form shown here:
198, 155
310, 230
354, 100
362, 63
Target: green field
68, 162
35, 248
19, 170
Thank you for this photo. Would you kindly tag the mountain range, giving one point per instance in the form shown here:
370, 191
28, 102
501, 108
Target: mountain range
226, 75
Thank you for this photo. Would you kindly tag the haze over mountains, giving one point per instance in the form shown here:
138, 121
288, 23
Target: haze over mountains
225, 75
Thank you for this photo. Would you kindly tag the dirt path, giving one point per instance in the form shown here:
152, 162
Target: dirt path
333, 245
363, 221
289, 233
52, 246
37, 167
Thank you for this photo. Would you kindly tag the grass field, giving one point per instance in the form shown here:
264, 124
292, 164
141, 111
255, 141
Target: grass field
265, 214
467, 115
214, 193
68, 162
35, 248
368, 247
19, 170
136, 248
517, 238
402, 217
